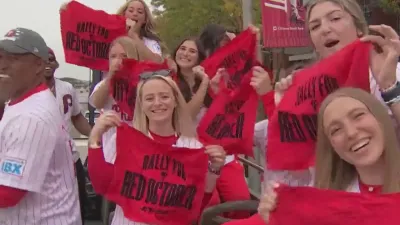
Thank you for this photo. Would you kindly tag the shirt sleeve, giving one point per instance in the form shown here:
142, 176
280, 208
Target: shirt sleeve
76, 107
29, 144
109, 98
154, 46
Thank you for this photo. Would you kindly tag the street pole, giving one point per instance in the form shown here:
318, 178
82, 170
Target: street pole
247, 6
253, 175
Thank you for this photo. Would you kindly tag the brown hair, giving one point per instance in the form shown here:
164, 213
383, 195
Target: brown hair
181, 120
332, 172
350, 6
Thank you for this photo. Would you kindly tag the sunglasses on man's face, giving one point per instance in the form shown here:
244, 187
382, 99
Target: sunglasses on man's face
148, 75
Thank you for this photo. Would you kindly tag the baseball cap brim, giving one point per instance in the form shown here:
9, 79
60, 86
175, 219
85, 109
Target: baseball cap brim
10, 47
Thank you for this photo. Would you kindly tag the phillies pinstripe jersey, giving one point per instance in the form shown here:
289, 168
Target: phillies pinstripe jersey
35, 156
69, 106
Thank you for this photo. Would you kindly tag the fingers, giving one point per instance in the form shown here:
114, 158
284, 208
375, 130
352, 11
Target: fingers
110, 118
216, 154
387, 31
284, 83
374, 39
268, 201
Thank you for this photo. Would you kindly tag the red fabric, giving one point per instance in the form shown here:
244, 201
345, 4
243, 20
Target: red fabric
101, 173
168, 140
292, 128
305, 205
35, 90
237, 57
365, 189
87, 35
232, 186
229, 122
124, 82
9, 196
281, 26
268, 101
156, 183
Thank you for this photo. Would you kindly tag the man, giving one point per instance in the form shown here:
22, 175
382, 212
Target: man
37, 178
4, 95
70, 110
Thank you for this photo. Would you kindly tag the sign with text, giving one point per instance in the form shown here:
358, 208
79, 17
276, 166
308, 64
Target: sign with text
313, 206
156, 183
124, 82
292, 130
237, 57
87, 35
283, 24
229, 122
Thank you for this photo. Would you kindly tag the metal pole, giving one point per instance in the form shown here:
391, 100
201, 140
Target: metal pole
253, 175
247, 6
95, 78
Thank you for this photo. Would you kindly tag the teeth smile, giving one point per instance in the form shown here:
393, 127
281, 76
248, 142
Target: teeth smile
360, 145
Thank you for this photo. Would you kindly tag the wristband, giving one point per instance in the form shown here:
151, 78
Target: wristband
393, 101
391, 93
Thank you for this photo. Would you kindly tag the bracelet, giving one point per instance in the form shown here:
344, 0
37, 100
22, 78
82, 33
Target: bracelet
391, 93
393, 101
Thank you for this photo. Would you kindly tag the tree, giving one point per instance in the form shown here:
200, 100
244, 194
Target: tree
178, 19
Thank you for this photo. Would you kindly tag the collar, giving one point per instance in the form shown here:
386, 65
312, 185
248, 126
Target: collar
37, 89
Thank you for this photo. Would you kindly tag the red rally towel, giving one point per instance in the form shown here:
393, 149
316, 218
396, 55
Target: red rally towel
156, 183
311, 206
124, 82
293, 127
87, 35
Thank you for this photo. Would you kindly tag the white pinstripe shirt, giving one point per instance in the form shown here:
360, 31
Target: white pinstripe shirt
36, 157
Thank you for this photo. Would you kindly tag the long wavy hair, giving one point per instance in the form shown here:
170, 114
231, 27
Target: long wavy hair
182, 84
181, 120
148, 28
331, 171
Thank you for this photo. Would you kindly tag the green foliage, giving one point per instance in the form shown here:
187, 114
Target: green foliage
390, 6
178, 19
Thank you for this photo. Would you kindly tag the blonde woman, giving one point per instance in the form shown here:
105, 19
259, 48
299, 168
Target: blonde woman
161, 114
357, 149
332, 25
121, 48
140, 25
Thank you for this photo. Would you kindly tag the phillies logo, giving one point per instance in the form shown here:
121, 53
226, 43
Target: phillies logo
12, 34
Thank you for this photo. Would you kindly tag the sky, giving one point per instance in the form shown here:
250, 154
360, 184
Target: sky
43, 17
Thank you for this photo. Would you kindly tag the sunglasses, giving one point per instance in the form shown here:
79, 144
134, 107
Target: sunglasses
148, 75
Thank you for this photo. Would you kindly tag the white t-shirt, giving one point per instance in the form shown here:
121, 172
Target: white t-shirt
305, 177
153, 45
68, 103
36, 156
119, 218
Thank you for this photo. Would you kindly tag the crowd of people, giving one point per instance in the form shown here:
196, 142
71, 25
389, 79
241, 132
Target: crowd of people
42, 179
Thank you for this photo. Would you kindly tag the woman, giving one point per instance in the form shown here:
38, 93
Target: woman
100, 98
357, 140
333, 24
140, 25
194, 83
170, 126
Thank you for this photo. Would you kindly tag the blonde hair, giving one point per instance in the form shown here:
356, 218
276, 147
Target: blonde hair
148, 30
181, 120
332, 172
350, 6
129, 47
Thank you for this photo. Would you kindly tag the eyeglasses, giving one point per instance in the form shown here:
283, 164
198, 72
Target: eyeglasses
148, 75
